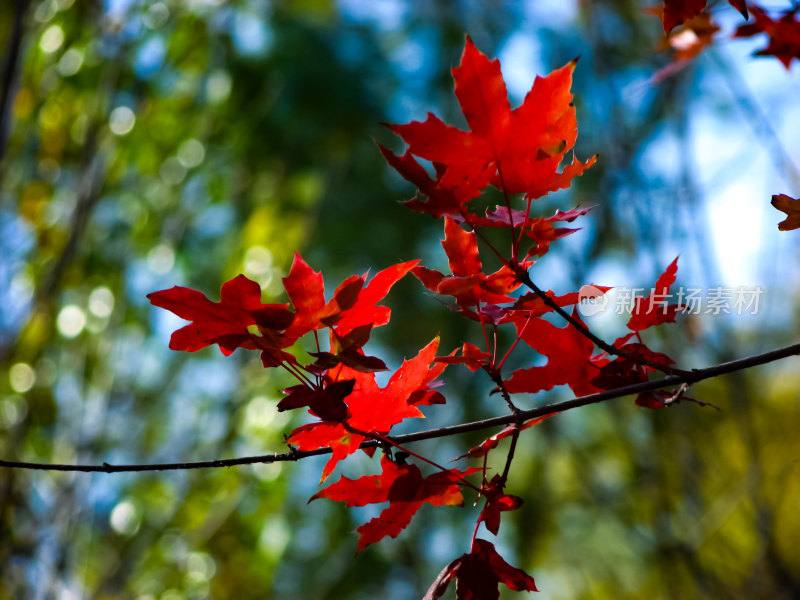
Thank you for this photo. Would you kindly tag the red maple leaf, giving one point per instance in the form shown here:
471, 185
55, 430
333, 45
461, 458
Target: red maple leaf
406, 490
377, 409
784, 34
365, 407
790, 206
478, 574
522, 148
227, 322
326, 403
346, 350
534, 306
654, 309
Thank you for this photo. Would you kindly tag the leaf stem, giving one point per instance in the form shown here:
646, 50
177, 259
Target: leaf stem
516, 341
514, 245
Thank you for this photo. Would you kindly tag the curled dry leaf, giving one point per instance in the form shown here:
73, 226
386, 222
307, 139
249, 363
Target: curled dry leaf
790, 206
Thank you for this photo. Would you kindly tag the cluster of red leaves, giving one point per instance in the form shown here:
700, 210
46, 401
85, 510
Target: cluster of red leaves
520, 152
339, 387
689, 30
784, 34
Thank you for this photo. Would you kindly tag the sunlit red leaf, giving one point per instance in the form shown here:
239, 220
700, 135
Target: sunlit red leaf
468, 285
524, 147
445, 195
461, 248
377, 409
225, 322
655, 310
306, 291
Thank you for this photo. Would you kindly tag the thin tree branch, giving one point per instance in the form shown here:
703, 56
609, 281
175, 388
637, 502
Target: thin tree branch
497, 377
647, 386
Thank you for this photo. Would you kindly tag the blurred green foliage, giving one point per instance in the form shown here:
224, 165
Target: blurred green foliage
182, 142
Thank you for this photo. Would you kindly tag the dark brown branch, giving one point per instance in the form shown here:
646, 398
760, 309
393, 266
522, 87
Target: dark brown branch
557, 407
497, 377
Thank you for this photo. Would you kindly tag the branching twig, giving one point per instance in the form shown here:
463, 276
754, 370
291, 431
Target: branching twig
647, 386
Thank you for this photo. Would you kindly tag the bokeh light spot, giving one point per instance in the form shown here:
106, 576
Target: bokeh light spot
52, 39
121, 120
125, 518
71, 321
101, 301
156, 16
71, 62
191, 153
21, 376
